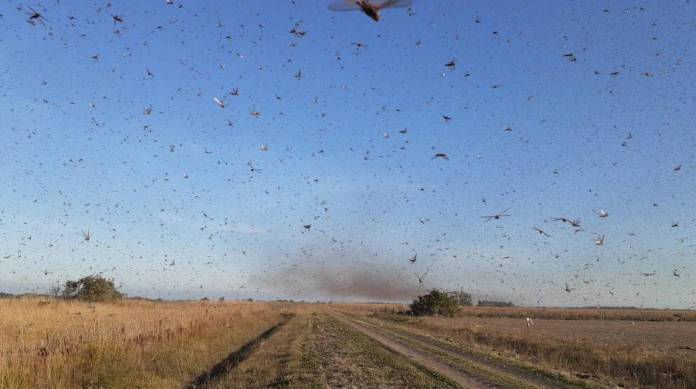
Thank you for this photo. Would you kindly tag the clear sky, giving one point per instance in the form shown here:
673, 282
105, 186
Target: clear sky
558, 109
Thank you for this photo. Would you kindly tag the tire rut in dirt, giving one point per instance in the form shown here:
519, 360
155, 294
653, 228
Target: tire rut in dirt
235, 358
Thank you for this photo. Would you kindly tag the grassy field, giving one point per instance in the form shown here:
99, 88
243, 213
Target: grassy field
66, 344
48, 343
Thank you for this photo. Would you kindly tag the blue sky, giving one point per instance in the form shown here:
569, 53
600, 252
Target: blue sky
175, 210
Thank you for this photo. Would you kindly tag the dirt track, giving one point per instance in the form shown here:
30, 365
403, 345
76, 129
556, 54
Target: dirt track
331, 349
416, 356
467, 368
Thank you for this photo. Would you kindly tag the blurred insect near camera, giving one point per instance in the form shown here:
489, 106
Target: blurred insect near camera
219, 102
297, 31
602, 213
599, 241
370, 9
35, 17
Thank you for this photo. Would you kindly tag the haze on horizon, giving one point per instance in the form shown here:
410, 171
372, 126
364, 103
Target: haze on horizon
276, 149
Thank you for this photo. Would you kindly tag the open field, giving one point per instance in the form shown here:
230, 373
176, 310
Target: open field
652, 354
629, 314
66, 344
61, 344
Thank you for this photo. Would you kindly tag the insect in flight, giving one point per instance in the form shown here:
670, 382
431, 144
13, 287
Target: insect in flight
599, 241
370, 9
497, 216
540, 231
35, 17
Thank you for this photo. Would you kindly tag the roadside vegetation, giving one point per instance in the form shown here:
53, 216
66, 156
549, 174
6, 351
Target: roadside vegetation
59, 343
438, 303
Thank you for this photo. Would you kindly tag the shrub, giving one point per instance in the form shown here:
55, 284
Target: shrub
435, 303
92, 288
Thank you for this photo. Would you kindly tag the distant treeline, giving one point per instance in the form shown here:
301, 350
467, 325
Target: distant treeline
4, 295
491, 303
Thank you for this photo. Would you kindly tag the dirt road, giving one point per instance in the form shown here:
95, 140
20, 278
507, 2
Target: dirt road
467, 368
416, 356
330, 349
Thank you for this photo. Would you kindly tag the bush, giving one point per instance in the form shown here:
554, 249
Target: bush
435, 303
92, 288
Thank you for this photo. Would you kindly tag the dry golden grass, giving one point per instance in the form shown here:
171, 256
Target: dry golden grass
581, 313
628, 314
369, 308
68, 344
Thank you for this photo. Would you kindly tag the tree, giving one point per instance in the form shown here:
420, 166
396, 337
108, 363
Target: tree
91, 288
435, 303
